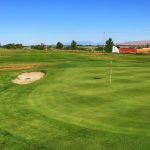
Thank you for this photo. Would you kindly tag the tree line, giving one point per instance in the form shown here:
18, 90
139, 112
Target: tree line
107, 48
12, 46
60, 46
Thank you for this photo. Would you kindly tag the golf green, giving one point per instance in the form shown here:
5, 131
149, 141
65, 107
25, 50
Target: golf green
75, 106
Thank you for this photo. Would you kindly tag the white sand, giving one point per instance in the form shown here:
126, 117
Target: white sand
28, 77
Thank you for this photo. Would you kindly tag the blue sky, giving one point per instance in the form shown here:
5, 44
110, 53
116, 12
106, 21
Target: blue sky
49, 21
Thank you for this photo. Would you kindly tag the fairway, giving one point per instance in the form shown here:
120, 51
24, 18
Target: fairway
74, 106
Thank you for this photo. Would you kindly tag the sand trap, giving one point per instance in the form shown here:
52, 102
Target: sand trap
28, 77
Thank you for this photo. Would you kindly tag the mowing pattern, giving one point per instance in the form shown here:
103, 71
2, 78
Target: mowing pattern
74, 106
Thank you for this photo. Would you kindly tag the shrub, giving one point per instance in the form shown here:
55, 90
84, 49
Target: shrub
38, 47
99, 48
13, 46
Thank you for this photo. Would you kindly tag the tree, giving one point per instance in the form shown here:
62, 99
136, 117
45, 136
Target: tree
109, 45
59, 45
73, 45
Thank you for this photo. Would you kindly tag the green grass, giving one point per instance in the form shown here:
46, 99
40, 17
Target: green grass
70, 110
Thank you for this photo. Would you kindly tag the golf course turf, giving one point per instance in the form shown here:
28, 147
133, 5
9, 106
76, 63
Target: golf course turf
74, 106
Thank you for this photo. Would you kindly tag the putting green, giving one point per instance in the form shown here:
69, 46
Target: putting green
74, 106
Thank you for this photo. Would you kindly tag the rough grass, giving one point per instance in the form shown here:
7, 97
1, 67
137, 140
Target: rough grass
71, 110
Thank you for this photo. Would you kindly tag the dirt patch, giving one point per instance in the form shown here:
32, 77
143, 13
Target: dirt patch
28, 77
144, 50
15, 67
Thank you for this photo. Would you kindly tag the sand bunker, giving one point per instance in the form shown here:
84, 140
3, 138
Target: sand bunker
28, 77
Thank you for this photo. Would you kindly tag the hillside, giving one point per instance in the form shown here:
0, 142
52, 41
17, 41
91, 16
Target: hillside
135, 43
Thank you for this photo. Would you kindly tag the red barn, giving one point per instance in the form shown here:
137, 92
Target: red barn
127, 50
124, 50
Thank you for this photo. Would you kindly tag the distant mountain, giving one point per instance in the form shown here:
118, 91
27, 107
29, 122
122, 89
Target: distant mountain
135, 43
87, 43
84, 43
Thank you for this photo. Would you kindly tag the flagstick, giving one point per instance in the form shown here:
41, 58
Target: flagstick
111, 71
